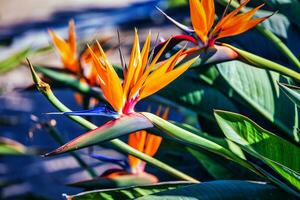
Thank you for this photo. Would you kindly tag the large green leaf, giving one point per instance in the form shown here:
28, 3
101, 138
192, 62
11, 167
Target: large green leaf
127, 192
292, 92
222, 190
260, 90
276, 152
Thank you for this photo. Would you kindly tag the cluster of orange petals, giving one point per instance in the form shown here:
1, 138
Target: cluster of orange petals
67, 50
141, 78
203, 16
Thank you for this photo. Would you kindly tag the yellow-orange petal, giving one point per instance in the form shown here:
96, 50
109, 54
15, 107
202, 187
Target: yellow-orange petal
152, 87
137, 141
72, 36
240, 18
132, 65
198, 18
141, 81
243, 27
228, 17
152, 144
209, 8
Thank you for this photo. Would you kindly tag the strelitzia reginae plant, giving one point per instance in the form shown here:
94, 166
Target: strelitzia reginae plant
205, 34
142, 78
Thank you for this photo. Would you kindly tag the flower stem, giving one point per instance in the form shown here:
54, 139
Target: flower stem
45, 89
263, 63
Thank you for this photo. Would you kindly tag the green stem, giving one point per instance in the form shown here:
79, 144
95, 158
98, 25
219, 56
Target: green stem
263, 63
270, 36
197, 141
56, 136
279, 45
45, 89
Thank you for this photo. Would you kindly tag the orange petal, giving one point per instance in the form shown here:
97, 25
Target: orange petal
228, 17
141, 81
137, 141
145, 54
69, 58
166, 113
72, 36
209, 7
238, 19
152, 144
242, 27
131, 66
199, 19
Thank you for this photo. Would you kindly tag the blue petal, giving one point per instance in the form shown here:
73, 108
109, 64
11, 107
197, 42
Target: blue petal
121, 162
102, 111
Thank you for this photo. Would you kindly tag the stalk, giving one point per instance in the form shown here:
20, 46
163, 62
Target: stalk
263, 63
45, 89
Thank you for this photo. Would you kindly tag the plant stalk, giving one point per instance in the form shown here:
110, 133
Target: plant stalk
263, 63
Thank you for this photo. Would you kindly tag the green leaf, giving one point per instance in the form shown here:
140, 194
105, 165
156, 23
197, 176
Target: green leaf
293, 92
260, 90
215, 169
14, 60
222, 190
70, 81
127, 192
112, 129
276, 152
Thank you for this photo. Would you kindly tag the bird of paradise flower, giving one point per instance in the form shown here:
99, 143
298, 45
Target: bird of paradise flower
142, 77
205, 34
77, 65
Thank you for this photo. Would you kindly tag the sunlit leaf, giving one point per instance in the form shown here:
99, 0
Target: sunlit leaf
276, 152
259, 89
